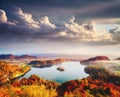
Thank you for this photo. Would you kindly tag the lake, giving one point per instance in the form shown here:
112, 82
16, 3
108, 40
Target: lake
73, 70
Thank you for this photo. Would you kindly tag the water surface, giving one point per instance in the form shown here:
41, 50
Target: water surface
73, 70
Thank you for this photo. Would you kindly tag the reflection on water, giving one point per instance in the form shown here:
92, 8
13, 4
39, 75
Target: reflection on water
73, 70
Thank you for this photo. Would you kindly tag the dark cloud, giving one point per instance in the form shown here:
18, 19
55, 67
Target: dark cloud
79, 8
19, 26
23, 28
58, 3
55, 3
47, 26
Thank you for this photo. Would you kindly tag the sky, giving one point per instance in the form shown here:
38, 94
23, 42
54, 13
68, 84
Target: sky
83, 27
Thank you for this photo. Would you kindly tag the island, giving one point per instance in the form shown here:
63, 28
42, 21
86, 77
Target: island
46, 63
60, 68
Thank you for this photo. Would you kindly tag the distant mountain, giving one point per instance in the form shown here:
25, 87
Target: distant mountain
26, 56
11, 56
8, 56
97, 58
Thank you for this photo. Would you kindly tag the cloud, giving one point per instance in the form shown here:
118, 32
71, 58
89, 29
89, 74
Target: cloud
45, 21
46, 25
116, 34
48, 30
81, 9
22, 27
22, 18
107, 20
85, 32
3, 17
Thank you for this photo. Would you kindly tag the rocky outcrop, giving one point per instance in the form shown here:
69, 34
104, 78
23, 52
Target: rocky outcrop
97, 58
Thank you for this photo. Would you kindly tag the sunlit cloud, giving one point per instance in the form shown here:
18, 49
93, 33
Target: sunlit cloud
24, 28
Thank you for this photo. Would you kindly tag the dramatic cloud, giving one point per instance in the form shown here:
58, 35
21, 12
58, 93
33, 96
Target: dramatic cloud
24, 18
19, 28
86, 32
23, 28
85, 9
48, 26
45, 21
48, 30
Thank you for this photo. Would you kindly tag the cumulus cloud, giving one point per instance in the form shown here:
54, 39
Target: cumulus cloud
45, 21
46, 25
19, 28
21, 22
48, 30
85, 32
3, 17
23, 27
24, 18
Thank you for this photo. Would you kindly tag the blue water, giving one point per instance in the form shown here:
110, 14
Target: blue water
73, 70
